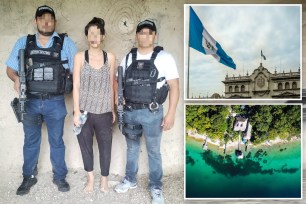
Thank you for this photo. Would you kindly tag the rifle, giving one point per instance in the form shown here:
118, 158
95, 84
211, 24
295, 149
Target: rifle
120, 98
18, 105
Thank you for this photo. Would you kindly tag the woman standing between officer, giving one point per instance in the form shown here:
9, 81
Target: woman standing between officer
93, 76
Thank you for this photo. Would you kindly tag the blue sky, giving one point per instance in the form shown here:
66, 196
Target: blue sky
243, 31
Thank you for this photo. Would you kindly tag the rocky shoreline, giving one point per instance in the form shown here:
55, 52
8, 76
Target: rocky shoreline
232, 145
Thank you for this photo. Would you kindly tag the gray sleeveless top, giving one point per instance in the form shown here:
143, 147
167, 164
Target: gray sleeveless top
95, 88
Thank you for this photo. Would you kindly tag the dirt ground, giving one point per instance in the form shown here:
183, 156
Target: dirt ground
46, 192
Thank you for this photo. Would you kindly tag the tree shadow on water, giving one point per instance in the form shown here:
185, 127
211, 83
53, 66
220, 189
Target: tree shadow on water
189, 159
231, 167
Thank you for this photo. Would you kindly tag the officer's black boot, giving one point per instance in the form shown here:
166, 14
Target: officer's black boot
26, 185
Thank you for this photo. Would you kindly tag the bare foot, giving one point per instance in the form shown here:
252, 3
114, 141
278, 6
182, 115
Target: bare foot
104, 184
90, 183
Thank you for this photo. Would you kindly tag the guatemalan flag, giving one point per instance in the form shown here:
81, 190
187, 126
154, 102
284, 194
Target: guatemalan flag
202, 41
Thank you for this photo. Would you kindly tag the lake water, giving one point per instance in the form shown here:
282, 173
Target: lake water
264, 172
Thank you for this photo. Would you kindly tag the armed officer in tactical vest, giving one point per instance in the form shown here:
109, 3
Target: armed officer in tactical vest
49, 62
149, 74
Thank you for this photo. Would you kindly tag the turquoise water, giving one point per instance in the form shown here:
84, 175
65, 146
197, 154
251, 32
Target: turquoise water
265, 172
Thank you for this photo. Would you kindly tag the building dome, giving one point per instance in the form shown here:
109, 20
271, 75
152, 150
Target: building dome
216, 96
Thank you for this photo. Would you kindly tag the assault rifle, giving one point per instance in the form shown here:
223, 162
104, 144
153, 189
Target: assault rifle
120, 98
18, 105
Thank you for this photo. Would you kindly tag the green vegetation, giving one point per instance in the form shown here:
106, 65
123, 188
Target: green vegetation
268, 121
210, 120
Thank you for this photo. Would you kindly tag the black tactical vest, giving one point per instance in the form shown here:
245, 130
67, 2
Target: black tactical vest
45, 72
140, 80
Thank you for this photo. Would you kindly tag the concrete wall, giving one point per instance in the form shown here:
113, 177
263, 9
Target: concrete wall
72, 16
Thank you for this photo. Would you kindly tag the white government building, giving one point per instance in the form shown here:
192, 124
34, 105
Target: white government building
262, 84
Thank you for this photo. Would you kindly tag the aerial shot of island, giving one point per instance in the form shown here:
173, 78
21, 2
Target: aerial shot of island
243, 151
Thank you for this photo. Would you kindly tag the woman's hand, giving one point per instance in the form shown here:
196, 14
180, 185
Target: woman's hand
114, 116
76, 118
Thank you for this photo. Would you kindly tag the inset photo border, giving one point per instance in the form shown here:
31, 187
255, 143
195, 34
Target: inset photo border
243, 51
243, 151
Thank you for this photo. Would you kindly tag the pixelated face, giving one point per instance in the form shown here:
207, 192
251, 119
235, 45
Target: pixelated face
94, 36
45, 24
145, 38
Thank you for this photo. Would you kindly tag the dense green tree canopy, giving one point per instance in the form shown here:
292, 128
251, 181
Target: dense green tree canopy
210, 120
268, 121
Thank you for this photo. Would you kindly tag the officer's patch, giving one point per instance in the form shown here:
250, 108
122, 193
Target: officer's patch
55, 54
140, 65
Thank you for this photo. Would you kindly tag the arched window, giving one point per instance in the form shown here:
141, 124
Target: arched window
236, 89
242, 88
230, 89
294, 85
280, 86
287, 86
